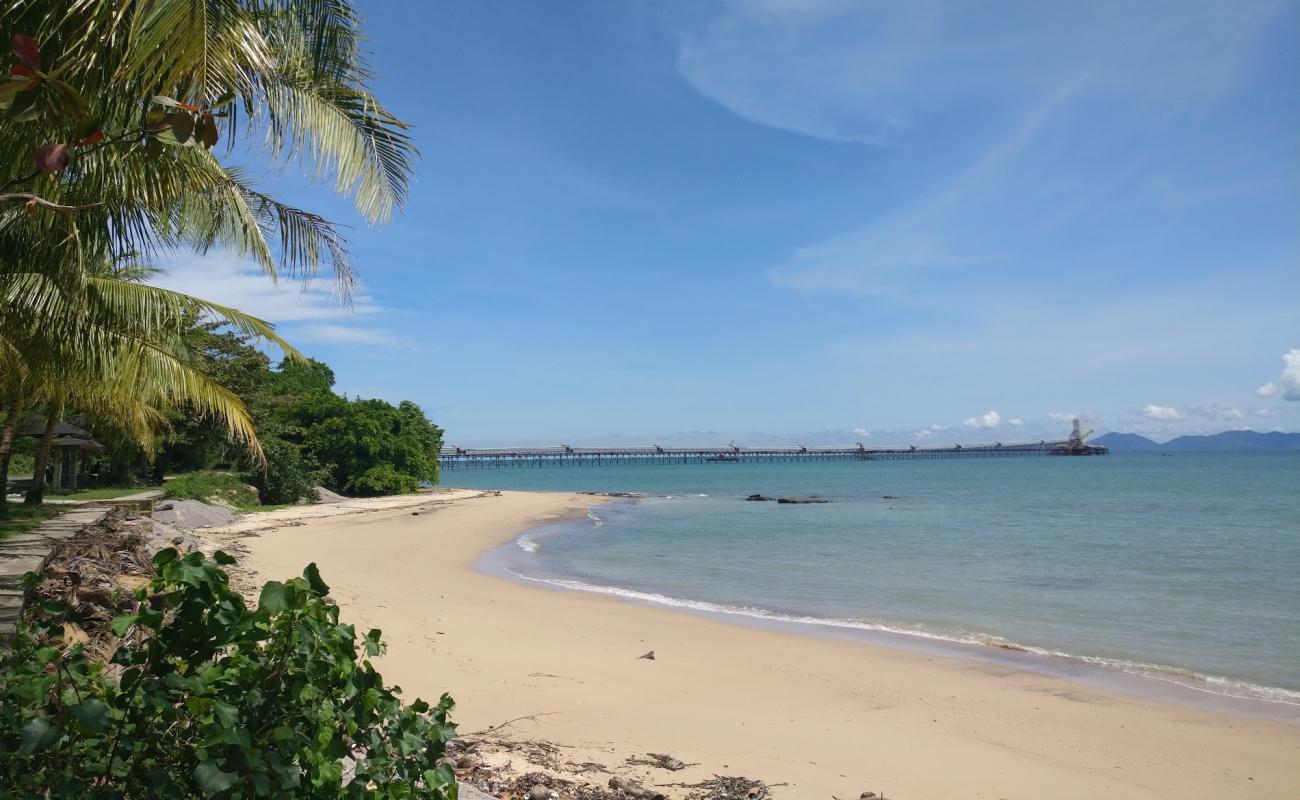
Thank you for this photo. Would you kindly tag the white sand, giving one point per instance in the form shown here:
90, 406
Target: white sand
827, 717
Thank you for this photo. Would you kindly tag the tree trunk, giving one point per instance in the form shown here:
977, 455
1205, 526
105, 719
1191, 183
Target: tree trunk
7, 449
36, 493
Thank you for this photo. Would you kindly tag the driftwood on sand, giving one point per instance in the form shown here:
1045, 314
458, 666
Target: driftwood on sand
660, 760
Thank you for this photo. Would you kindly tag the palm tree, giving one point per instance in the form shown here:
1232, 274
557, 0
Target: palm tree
137, 172
168, 72
106, 342
135, 317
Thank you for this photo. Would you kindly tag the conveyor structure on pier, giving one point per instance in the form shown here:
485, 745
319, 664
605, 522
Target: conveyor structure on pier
565, 456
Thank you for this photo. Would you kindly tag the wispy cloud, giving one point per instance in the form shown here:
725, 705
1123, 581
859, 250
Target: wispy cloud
1041, 121
870, 72
345, 334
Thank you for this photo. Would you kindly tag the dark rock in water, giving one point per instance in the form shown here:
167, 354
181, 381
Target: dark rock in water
890, 497
800, 501
758, 497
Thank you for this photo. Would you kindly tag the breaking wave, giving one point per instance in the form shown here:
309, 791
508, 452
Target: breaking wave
1189, 679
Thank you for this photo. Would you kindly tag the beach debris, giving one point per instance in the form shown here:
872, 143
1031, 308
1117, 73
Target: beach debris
650, 656
466, 762
660, 760
539, 791
96, 571
758, 498
721, 787
633, 789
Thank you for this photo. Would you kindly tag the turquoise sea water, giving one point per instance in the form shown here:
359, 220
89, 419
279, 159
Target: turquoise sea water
1183, 568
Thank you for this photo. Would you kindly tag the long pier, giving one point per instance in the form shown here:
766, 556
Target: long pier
565, 456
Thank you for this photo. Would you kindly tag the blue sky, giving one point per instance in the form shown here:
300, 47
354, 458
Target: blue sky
822, 221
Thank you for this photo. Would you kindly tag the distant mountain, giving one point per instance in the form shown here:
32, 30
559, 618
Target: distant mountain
1226, 442
1126, 443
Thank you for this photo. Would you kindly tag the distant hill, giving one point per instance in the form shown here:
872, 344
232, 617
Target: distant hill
1226, 442
1126, 443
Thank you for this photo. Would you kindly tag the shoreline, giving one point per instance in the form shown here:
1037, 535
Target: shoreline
825, 715
1145, 681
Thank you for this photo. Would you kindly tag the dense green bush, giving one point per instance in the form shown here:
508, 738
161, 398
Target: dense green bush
217, 701
210, 486
379, 480
373, 447
289, 475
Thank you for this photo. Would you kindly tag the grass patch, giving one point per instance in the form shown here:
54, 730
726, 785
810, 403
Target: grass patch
209, 486
102, 493
23, 517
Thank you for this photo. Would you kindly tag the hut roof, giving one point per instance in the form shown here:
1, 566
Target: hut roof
76, 442
35, 426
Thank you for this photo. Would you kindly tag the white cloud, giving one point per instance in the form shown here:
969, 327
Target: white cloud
861, 432
924, 433
1288, 383
231, 281
1062, 416
227, 279
1161, 413
1015, 422
990, 420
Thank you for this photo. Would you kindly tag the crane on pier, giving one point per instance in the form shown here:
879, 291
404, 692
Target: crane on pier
1078, 441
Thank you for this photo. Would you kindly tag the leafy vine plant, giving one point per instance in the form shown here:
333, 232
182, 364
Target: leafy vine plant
31, 93
207, 698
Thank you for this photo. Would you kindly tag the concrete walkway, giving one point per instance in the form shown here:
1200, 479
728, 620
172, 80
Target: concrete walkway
25, 552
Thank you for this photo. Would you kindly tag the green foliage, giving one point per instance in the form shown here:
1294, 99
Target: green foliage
381, 479
309, 434
215, 701
290, 475
210, 486
296, 378
372, 447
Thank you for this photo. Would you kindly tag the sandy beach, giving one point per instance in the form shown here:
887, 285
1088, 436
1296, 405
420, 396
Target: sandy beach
822, 716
